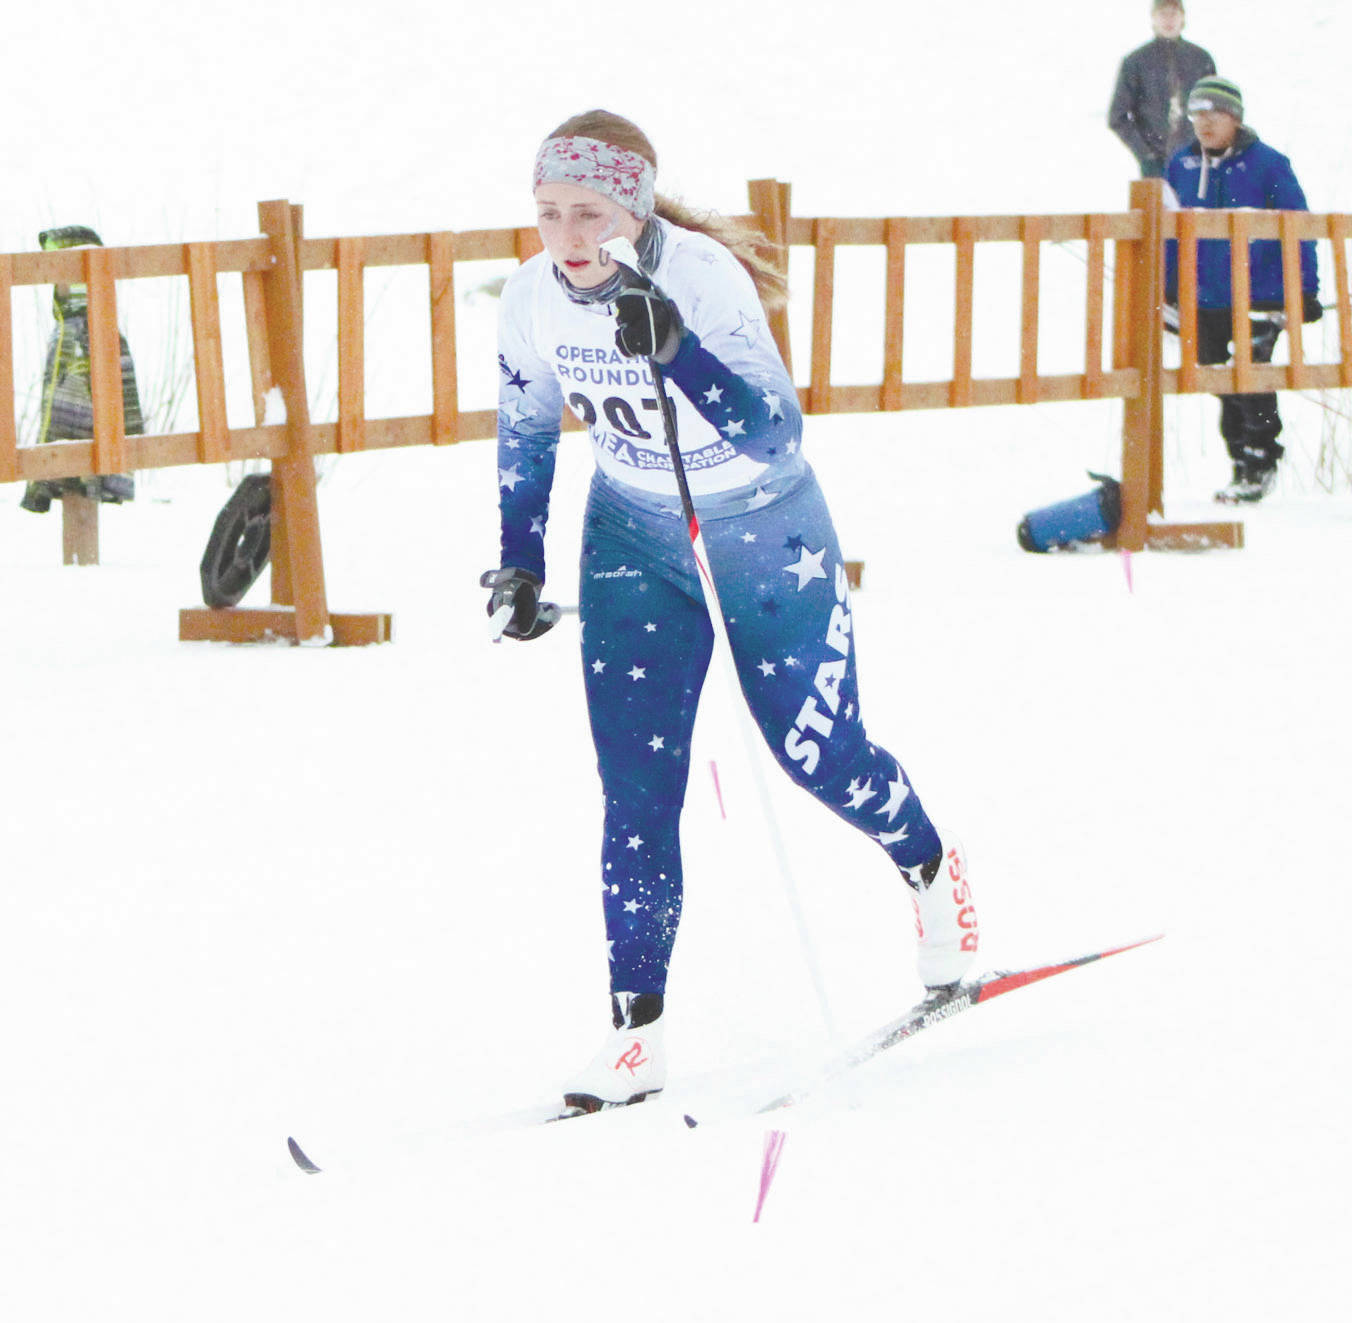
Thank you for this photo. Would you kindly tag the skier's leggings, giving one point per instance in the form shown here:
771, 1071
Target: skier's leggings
646, 645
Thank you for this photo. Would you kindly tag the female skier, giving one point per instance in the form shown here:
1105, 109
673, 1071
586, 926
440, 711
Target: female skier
576, 329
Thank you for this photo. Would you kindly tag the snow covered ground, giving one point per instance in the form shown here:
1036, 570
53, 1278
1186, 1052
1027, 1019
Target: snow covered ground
349, 894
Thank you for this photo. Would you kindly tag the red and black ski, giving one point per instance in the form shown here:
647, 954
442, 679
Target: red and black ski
943, 1004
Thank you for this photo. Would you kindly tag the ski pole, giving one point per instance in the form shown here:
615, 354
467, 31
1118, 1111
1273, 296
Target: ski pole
623, 252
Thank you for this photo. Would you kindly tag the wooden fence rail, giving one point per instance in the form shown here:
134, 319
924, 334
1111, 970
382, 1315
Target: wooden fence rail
271, 269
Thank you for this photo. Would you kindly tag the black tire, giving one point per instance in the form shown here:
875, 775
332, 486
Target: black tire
240, 543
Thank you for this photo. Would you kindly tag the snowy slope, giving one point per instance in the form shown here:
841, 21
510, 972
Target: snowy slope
349, 895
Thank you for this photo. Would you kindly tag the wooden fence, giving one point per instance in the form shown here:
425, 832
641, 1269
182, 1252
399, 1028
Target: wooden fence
1123, 355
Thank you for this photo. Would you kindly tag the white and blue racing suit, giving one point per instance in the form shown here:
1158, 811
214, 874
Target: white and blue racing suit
646, 637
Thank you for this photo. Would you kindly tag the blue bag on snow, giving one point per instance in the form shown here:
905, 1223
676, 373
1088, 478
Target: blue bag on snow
1088, 518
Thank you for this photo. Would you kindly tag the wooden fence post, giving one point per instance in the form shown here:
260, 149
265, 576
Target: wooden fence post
208, 363
262, 382
294, 472
1096, 243
1340, 232
1143, 414
1032, 230
274, 320
894, 312
1241, 300
770, 205
9, 437
823, 313
1187, 300
105, 364
964, 292
256, 333
79, 529
80, 514
1298, 376
445, 380
351, 344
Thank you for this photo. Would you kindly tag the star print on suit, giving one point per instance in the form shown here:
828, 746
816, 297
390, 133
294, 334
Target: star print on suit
646, 648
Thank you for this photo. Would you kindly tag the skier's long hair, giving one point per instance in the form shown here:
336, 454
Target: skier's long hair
749, 246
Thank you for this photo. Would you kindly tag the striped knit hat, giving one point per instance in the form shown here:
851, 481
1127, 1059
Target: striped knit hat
69, 236
1216, 93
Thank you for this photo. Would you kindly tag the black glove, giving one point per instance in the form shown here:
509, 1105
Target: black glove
1152, 167
1311, 310
520, 590
647, 324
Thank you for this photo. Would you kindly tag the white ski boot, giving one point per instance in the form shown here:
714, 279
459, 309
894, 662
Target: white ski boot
632, 1065
945, 916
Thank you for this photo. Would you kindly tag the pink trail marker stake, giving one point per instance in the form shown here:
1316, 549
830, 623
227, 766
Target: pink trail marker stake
718, 790
1126, 569
774, 1145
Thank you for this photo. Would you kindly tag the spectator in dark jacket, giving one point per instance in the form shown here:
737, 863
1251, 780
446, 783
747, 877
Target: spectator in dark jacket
1148, 109
1226, 166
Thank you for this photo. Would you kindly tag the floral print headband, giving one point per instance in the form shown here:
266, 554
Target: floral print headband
614, 172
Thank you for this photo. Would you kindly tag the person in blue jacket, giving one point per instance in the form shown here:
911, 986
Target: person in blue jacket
577, 331
1227, 166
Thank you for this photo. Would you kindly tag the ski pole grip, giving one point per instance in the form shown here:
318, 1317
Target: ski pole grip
499, 621
624, 252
